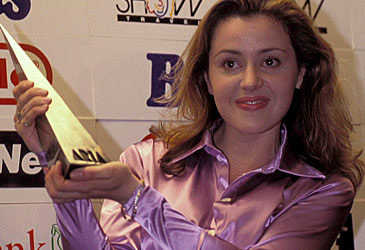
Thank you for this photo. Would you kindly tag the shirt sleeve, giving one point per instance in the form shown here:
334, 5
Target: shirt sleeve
313, 222
80, 228
170, 228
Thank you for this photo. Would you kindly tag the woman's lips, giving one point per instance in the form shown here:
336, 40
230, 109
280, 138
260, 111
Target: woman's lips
252, 103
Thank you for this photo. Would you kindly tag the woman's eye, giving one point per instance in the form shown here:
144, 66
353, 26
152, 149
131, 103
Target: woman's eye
271, 62
230, 64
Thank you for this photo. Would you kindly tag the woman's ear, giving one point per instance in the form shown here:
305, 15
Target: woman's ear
206, 77
300, 77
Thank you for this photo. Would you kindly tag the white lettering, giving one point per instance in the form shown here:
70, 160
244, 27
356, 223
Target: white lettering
29, 160
11, 162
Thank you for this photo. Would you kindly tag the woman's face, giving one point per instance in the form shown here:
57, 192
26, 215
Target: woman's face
252, 73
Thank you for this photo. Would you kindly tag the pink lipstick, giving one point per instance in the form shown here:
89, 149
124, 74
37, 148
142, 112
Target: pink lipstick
252, 103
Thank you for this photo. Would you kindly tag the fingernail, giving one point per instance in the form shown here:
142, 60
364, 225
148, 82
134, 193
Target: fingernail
30, 84
44, 91
45, 171
47, 100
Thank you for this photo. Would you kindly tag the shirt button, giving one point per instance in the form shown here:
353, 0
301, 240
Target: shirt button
226, 199
212, 233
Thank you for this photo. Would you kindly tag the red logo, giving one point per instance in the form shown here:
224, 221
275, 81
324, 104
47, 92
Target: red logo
40, 61
32, 243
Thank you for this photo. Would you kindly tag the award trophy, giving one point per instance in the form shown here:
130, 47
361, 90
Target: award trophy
69, 141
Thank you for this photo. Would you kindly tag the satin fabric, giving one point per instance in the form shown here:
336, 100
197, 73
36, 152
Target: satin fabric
286, 204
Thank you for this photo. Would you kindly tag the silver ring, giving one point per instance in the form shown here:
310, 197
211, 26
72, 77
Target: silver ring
26, 124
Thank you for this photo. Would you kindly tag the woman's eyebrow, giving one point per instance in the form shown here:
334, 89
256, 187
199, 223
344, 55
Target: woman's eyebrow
237, 52
272, 49
231, 51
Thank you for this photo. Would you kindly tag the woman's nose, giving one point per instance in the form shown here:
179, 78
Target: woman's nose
250, 78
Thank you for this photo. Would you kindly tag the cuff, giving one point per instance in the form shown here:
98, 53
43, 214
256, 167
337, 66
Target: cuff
42, 159
130, 208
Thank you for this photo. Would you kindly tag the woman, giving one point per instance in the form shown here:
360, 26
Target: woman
255, 168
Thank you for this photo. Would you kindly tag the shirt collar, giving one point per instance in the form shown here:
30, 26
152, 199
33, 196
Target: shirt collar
205, 142
284, 160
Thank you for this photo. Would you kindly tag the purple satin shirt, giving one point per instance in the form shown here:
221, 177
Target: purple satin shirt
286, 204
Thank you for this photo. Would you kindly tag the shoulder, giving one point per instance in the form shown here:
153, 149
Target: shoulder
336, 188
145, 148
308, 181
150, 151
313, 209
309, 184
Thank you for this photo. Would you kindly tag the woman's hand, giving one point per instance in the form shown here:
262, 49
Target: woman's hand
112, 181
32, 103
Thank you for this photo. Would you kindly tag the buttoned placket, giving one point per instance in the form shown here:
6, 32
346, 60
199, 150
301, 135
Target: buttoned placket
228, 191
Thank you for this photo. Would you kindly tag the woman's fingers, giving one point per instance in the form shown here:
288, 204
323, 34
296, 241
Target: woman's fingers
30, 94
107, 177
31, 102
102, 172
58, 188
27, 97
25, 119
36, 107
28, 100
112, 181
62, 190
32, 98
21, 88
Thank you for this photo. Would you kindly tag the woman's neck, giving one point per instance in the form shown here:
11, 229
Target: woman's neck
246, 152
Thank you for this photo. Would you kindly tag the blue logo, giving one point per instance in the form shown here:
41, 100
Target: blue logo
162, 66
15, 9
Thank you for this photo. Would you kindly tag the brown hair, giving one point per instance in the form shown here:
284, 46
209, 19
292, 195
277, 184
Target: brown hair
318, 122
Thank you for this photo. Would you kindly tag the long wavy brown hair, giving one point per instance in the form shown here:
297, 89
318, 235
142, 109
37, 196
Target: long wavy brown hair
318, 122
